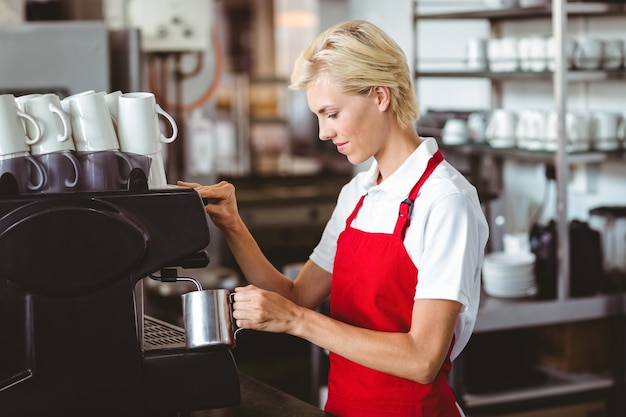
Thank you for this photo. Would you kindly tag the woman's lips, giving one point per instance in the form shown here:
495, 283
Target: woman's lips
341, 146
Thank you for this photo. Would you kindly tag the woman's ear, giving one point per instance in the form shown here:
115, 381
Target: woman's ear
383, 97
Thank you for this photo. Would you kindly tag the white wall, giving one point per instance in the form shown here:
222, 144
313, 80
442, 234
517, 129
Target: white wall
393, 16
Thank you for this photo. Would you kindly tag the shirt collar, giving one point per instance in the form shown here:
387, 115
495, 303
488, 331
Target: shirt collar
406, 176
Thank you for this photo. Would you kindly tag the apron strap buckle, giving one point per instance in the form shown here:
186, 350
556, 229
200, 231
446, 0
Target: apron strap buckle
408, 202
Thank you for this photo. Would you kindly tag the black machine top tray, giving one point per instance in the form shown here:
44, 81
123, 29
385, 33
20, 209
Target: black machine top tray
74, 242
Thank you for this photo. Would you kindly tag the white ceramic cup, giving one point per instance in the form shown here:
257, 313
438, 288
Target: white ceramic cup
92, 126
28, 173
502, 53
138, 124
532, 53
577, 129
55, 124
104, 170
20, 100
605, 126
578, 125
112, 101
65, 103
530, 129
476, 124
476, 54
455, 132
500, 132
13, 136
157, 178
621, 128
62, 171
613, 54
588, 53
500, 4
551, 49
516, 243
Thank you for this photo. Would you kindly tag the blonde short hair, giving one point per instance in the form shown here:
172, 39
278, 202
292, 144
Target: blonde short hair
358, 56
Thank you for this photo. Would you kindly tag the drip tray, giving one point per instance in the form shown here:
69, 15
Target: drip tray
158, 334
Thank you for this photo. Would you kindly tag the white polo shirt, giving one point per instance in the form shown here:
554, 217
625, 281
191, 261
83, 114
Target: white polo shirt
445, 240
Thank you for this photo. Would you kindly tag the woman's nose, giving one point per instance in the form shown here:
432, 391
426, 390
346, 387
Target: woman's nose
324, 134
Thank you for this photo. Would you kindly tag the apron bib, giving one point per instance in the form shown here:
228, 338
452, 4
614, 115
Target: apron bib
372, 287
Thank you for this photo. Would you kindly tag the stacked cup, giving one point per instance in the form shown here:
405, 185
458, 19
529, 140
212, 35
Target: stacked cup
140, 133
17, 166
54, 150
103, 165
501, 129
52, 145
111, 99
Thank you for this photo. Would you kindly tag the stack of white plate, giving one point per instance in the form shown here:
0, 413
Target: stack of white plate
509, 275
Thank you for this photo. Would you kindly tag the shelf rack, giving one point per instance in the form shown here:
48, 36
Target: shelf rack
572, 76
573, 9
496, 314
504, 314
557, 384
483, 149
558, 11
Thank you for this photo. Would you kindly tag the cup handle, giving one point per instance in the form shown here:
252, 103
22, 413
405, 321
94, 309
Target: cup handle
129, 165
490, 129
31, 119
42, 174
621, 129
170, 119
115, 124
578, 56
75, 164
65, 120
231, 298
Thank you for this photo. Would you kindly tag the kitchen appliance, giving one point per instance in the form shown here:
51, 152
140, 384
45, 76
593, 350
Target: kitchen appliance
75, 340
610, 222
585, 259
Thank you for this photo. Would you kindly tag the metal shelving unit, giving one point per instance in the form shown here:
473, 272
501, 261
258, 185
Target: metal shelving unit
504, 314
572, 76
496, 314
557, 384
583, 9
529, 155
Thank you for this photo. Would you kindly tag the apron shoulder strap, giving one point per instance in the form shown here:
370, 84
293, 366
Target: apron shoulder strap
406, 206
355, 211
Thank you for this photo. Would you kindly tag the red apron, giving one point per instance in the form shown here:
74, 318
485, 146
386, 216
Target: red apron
373, 285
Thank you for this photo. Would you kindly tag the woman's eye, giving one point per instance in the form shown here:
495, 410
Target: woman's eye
331, 115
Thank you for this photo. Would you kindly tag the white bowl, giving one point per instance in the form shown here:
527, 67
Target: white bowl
509, 293
508, 260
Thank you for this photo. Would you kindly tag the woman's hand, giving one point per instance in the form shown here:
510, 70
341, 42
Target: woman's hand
222, 203
268, 311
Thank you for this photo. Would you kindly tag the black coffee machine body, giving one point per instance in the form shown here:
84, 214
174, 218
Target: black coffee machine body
75, 341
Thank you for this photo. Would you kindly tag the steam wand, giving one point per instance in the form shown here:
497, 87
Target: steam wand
171, 275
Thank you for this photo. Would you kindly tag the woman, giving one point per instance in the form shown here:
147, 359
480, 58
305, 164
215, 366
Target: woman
401, 254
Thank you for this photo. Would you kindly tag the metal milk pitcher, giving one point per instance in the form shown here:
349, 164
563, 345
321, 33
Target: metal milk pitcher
208, 318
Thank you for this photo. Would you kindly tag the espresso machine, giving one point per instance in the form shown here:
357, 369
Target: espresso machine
74, 338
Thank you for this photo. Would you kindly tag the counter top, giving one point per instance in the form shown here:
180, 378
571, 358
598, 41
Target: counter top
261, 400
501, 314
270, 191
